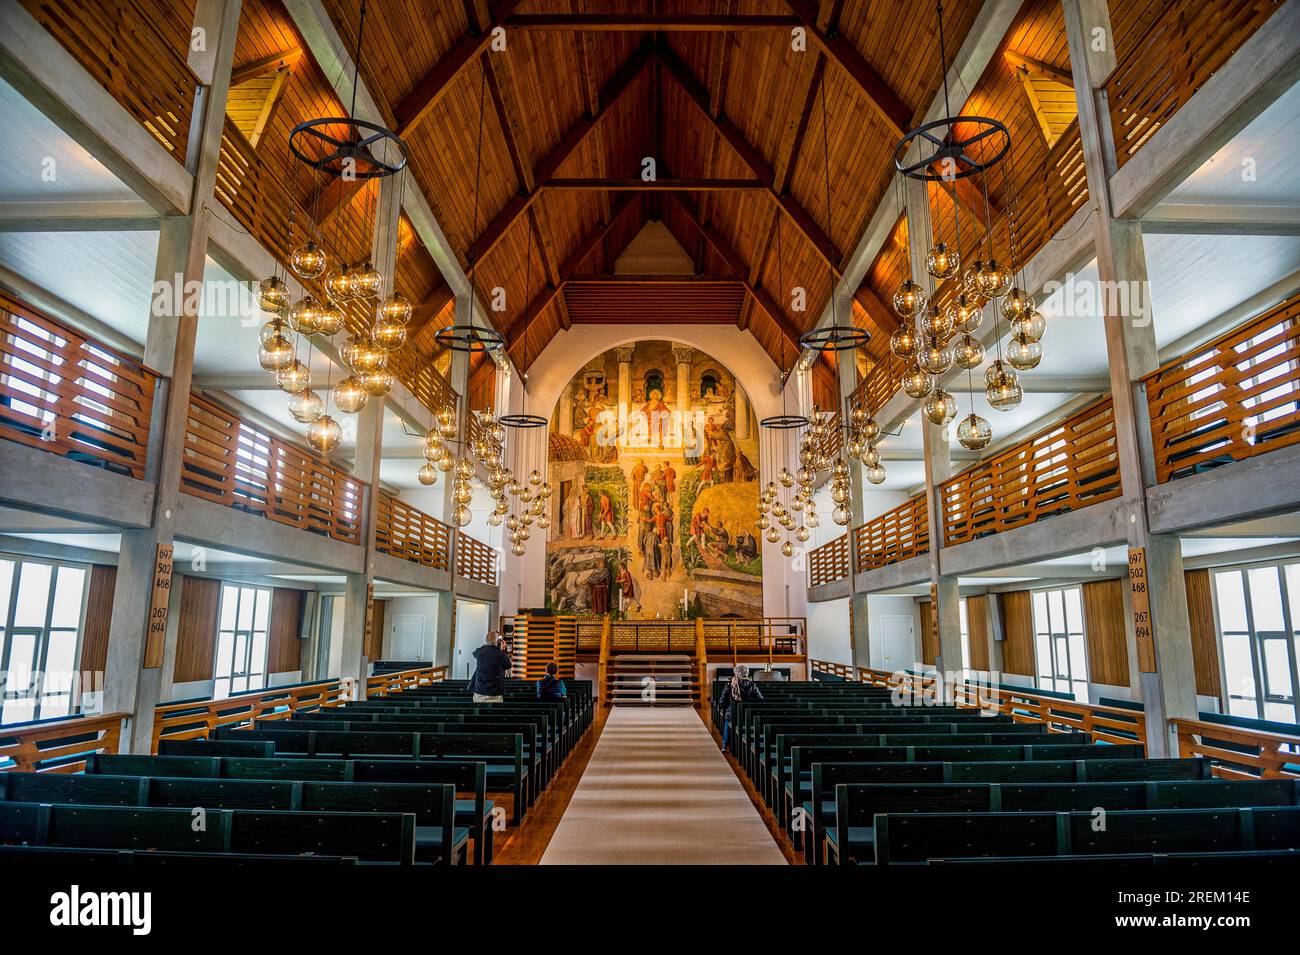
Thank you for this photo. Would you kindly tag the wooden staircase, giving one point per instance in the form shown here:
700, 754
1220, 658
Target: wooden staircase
652, 679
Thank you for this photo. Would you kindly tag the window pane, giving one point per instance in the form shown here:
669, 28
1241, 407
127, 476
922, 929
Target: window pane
1232, 603
1292, 590
1277, 668
60, 654
257, 659
241, 653
1073, 611
1040, 612
21, 663
1044, 649
229, 598
1239, 675
33, 594
1078, 657
262, 616
1265, 599
225, 644
1055, 611
1062, 662
245, 621
221, 689
68, 589
6, 582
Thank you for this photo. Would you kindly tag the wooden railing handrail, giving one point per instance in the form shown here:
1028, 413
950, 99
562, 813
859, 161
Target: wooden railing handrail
407, 532
65, 393
829, 562
196, 719
475, 560
1068, 465
60, 746
1233, 398
396, 681
229, 461
899, 533
1275, 750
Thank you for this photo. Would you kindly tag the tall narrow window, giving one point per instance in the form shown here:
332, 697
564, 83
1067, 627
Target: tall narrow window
240, 662
1058, 642
41, 609
965, 634
1257, 610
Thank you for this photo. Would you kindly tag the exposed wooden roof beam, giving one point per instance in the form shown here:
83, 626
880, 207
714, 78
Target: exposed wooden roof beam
267, 64
896, 114
792, 207
430, 88
568, 144
640, 23
1061, 76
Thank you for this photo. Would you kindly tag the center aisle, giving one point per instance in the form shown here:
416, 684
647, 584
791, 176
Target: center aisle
658, 792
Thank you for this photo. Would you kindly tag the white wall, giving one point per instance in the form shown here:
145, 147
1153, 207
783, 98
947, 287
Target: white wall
828, 631
423, 606
471, 629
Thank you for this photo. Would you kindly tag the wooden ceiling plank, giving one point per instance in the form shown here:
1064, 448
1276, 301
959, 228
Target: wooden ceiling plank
841, 51
641, 23
430, 88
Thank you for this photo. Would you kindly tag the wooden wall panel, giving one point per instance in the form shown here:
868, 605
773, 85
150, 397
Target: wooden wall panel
374, 648
99, 616
977, 630
1103, 625
1205, 640
929, 635
196, 638
284, 647
1018, 630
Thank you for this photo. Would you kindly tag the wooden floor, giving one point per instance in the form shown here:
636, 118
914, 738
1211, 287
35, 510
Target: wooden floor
658, 791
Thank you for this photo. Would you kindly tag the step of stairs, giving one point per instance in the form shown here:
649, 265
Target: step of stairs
650, 679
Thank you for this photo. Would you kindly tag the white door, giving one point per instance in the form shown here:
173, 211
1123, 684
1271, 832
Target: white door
407, 641
898, 641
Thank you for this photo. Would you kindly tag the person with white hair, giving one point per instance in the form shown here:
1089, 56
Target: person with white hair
493, 664
741, 689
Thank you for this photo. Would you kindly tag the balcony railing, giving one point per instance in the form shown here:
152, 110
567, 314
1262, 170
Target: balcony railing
1065, 467
228, 461
397, 681
409, 533
1232, 399
118, 42
1156, 77
829, 562
895, 535
63, 393
475, 560
60, 746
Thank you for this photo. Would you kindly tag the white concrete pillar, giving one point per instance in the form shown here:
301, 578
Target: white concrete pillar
133, 679
682, 356
624, 388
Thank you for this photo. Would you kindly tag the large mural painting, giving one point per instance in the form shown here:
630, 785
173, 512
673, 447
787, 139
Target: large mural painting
653, 454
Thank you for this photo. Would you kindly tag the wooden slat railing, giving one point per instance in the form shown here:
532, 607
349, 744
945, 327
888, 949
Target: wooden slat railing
1103, 724
385, 684
842, 670
1157, 75
895, 535
770, 638
1065, 467
118, 43
475, 560
879, 385
61, 746
1231, 399
829, 562
228, 461
63, 393
197, 719
1239, 753
407, 532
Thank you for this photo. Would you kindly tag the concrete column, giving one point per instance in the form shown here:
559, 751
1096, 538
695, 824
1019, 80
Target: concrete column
1170, 689
624, 389
565, 411
458, 374
859, 637
129, 685
682, 357
358, 588
938, 457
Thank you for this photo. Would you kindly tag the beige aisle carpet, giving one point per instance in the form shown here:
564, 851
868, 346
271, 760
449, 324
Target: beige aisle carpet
658, 792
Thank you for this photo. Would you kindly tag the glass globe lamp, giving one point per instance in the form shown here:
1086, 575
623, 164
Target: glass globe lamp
1024, 353
427, 475
917, 383
967, 352
941, 407
909, 299
904, 342
272, 294
308, 261
324, 434
306, 406
276, 354
974, 433
293, 378
350, 395
305, 316
942, 262
396, 308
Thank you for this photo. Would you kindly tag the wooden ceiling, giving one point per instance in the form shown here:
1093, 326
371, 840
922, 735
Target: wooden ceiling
585, 91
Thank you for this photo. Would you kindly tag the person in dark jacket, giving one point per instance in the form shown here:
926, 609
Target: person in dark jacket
741, 689
550, 687
492, 667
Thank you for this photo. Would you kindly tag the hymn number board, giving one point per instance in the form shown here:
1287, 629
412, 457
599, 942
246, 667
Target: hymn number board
1143, 628
156, 635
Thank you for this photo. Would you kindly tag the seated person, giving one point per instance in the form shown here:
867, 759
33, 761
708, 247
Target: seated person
551, 687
